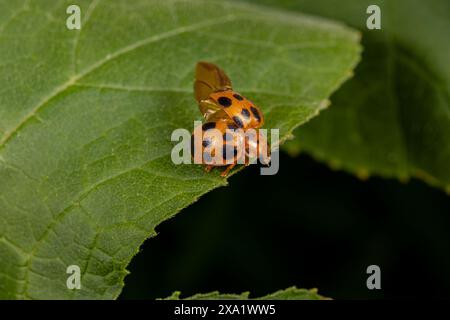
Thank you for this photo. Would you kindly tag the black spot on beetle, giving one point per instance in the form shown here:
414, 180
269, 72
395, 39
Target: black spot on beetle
245, 113
206, 142
229, 151
238, 97
238, 121
232, 126
208, 125
224, 101
255, 113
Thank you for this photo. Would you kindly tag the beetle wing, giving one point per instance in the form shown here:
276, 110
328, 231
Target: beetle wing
207, 108
216, 115
209, 78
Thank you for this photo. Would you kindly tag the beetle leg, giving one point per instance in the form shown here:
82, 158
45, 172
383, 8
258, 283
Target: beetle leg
208, 168
227, 170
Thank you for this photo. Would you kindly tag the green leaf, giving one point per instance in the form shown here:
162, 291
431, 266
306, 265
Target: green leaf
86, 118
393, 118
291, 293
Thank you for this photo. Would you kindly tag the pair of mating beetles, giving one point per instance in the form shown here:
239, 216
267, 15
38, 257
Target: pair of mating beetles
226, 111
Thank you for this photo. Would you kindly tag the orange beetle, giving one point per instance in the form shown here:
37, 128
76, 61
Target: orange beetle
225, 109
220, 145
217, 100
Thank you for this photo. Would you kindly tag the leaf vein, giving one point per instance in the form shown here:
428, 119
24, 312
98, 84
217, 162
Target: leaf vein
129, 48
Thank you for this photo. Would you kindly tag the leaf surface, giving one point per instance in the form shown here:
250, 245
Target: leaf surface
86, 118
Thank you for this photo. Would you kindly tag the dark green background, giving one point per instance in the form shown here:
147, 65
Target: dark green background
307, 226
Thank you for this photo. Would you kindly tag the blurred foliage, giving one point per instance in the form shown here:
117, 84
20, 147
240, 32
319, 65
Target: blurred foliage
292, 293
392, 119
